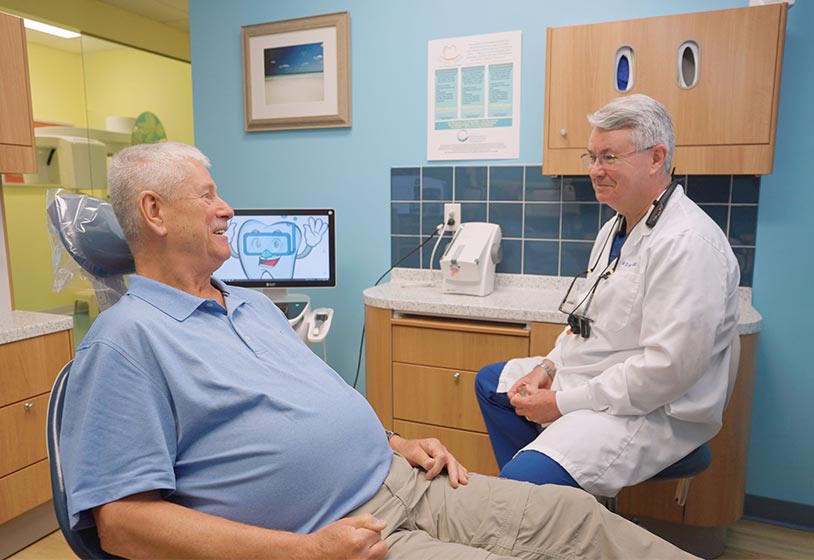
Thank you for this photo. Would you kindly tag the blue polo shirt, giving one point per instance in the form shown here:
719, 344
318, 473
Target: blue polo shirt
225, 411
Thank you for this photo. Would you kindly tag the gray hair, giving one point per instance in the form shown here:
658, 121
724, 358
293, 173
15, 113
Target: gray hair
161, 167
649, 121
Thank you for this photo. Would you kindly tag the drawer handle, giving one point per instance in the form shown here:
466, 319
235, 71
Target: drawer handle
456, 376
28, 405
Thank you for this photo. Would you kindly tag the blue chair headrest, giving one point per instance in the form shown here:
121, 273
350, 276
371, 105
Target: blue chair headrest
91, 234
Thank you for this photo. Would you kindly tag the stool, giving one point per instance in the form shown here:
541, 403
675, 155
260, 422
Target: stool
88, 297
682, 470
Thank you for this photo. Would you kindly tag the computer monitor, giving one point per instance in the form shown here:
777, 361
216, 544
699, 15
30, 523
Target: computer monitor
274, 248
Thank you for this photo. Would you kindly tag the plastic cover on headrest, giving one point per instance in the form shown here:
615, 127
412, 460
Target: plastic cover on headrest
88, 231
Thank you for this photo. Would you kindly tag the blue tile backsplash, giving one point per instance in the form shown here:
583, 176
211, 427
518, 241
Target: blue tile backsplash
548, 223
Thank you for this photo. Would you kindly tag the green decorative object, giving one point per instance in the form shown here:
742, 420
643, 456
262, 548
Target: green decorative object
147, 129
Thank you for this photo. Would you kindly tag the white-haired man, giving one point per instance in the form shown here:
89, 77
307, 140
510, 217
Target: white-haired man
639, 378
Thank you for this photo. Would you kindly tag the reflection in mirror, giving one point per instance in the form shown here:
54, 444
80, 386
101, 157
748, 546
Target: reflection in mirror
87, 95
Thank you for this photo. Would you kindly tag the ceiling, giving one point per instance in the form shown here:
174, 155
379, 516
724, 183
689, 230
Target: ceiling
174, 13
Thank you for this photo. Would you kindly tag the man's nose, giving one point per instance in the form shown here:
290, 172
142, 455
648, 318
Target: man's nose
596, 169
225, 210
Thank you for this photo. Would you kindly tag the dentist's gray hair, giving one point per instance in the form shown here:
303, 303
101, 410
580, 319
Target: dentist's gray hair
160, 167
649, 121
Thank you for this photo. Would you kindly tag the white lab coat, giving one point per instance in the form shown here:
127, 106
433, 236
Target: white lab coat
650, 383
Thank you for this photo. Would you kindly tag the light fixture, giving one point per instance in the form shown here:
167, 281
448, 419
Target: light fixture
50, 29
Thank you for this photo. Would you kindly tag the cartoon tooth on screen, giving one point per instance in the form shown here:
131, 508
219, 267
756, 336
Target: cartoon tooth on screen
272, 250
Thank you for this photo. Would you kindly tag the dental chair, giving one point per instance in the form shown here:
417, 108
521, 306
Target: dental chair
683, 471
85, 542
89, 232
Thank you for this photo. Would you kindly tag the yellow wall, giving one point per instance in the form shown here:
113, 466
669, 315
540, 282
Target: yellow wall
57, 91
118, 82
127, 82
30, 252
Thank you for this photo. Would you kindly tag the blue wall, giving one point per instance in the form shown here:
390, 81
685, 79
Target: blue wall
349, 169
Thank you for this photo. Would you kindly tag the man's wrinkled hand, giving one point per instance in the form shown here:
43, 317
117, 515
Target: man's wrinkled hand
350, 538
432, 456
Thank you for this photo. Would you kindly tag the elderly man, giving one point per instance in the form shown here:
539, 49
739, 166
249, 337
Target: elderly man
639, 377
197, 424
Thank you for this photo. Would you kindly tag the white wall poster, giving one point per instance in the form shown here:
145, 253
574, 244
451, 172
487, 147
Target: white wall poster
473, 97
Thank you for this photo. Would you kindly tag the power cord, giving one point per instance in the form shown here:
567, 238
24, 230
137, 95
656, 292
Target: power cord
438, 228
442, 228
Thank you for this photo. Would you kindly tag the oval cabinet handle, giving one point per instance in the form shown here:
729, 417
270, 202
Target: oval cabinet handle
28, 406
456, 376
563, 132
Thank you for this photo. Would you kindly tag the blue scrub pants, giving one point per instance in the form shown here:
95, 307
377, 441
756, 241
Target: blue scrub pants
510, 432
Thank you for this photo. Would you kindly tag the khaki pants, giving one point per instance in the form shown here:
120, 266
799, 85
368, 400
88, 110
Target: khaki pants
497, 518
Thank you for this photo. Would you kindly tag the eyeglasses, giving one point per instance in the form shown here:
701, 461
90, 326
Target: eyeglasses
607, 161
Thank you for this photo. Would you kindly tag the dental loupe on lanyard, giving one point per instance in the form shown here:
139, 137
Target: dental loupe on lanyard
578, 320
580, 323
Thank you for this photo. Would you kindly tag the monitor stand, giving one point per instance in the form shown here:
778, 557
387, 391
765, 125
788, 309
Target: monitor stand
294, 306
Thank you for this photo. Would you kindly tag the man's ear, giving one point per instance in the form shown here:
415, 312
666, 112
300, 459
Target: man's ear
151, 210
657, 157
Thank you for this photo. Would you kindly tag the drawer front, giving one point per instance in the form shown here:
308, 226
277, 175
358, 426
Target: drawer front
22, 434
472, 450
455, 349
29, 367
444, 397
24, 490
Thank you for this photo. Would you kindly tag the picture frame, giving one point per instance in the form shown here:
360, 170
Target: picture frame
296, 73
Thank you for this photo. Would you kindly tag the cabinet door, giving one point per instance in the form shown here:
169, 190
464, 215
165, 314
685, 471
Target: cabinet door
724, 124
471, 449
28, 367
457, 345
24, 490
444, 397
22, 433
17, 152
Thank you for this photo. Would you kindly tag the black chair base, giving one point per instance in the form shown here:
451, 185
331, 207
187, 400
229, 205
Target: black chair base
704, 542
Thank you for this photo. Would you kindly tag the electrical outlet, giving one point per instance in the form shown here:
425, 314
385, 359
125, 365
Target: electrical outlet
452, 212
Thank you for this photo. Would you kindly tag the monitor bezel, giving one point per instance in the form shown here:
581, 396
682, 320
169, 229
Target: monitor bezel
330, 282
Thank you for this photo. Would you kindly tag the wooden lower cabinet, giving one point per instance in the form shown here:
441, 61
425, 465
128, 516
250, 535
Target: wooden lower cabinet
27, 371
421, 375
420, 381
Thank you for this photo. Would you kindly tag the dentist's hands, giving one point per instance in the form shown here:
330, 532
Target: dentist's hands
532, 397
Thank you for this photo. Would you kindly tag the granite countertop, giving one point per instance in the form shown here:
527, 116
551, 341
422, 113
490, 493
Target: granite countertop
19, 325
517, 298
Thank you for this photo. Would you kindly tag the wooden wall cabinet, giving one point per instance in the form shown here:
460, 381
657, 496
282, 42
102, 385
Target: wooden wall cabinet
725, 124
17, 149
27, 371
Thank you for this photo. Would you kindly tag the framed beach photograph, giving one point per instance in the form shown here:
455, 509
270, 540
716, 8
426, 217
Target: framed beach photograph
296, 73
